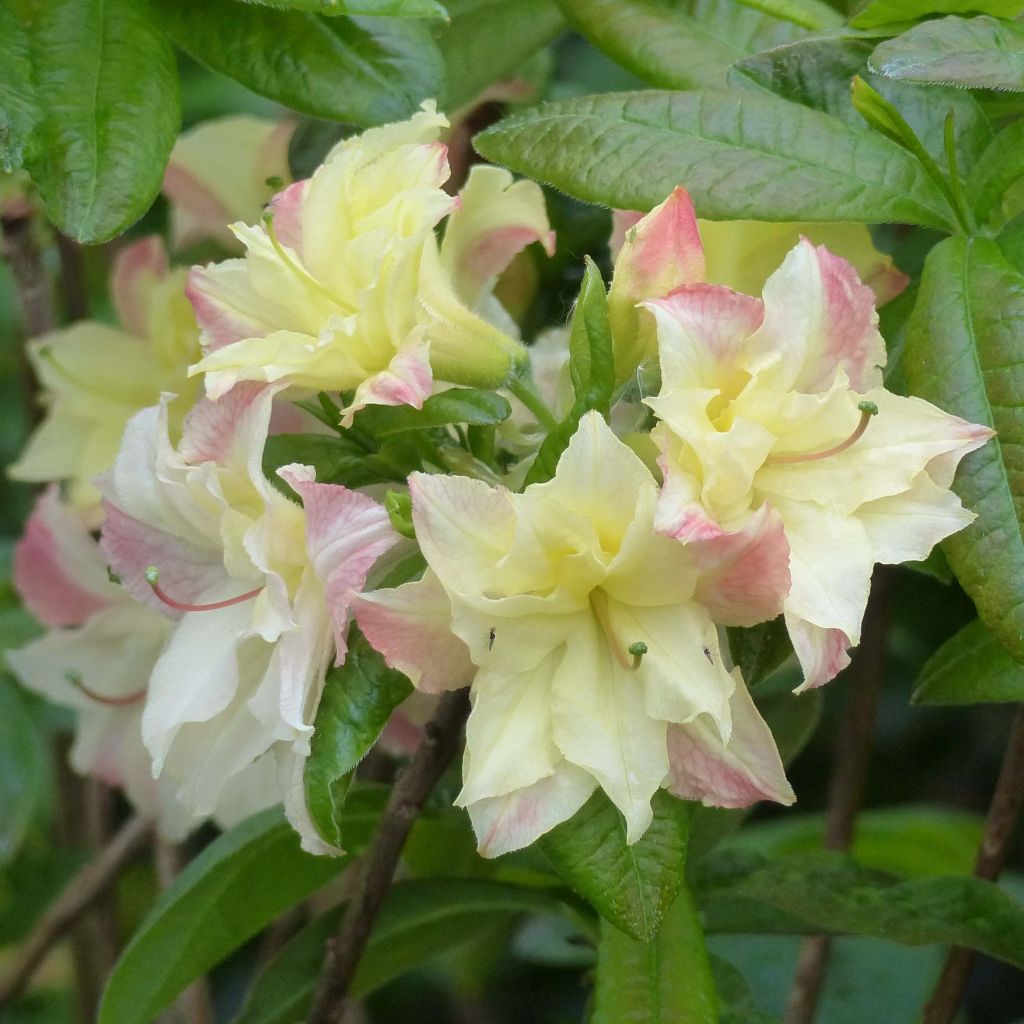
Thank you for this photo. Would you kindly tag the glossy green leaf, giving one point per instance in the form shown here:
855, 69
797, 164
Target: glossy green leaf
757, 651
963, 353
471, 406
591, 368
24, 768
999, 167
675, 46
808, 14
974, 53
886, 12
363, 71
829, 893
234, 888
18, 110
337, 460
664, 981
489, 41
420, 919
374, 8
357, 702
630, 886
972, 667
740, 156
736, 1004
108, 113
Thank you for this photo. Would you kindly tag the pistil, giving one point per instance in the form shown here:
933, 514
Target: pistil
79, 684
867, 410
152, 575
629, 658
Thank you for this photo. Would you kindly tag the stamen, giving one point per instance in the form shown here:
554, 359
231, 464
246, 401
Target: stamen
638, 650
867, 410
75, 679
307, 278
152, 575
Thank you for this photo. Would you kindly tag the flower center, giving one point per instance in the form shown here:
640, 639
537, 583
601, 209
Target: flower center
867, 410
152, 575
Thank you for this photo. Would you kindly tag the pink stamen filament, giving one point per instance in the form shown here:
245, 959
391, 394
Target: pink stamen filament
153, 575
76, 681
867, 410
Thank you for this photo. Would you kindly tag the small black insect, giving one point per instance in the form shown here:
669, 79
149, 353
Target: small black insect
707, 654
490, 638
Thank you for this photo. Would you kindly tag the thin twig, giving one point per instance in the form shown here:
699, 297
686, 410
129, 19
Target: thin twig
78, 895
35, 291
846, 788
1000, 825
377, 868
73, 284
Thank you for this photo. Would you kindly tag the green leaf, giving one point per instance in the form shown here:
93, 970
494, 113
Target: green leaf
963, 354
974, 53
374, 8
757, 651
678, 46
363, 71
24, 769
736, 1005
591, 368
999, 167
829, 893
337, 460
420, 919
108, 113
490, 40
234, 888
887, 12
18, 106
357, 702
972, 667
665, 981
630, 886
740, 155
472, 406
806, 13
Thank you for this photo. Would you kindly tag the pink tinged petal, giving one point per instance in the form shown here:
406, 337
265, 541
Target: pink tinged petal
408, 380
702, 329
679, 513
286, 207
223, 300
886, 282
197, 211
745, 575
943, 467
513, 821
734, 774
58, 569
346, 532
189, 573
822, 652
411, 627
137, 268
623, 221
216, 431
819, 318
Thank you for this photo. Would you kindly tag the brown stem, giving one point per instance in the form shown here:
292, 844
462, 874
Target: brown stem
35, 292
78, 895
1000, 825
846, 788
377, 868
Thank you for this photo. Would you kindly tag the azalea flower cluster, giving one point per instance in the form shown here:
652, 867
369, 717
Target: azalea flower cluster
766, 476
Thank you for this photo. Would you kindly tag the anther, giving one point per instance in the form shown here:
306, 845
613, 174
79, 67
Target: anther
152, 575
638, 650
867, 410
75, 679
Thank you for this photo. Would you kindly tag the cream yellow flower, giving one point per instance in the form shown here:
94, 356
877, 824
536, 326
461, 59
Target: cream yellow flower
587, 639
95, 377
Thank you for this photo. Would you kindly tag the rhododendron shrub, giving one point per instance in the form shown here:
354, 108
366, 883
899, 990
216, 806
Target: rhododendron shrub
447, 523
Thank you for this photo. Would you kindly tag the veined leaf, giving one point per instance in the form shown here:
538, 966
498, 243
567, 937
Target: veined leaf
999, 167
363, 71
972, 667
234, 888
630, 886
963, 353
757, 651
742, 156
826, 892
471, 406
357, 702
974, 53
24, 768
664, 981
106, 89
375, 8
18, 109
489, 41
420, 919
887, 12
736, 1005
